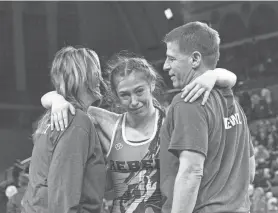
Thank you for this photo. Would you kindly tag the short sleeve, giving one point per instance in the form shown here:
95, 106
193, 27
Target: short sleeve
190, 128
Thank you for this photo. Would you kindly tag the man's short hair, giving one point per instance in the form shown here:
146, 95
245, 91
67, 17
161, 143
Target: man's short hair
197, 36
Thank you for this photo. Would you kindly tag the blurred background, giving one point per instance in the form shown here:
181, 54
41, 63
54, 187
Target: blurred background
31, 33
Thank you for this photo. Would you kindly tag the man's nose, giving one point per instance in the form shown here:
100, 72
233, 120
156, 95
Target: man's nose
166, 66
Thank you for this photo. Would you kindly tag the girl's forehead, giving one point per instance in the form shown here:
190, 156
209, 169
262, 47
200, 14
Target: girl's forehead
131, 81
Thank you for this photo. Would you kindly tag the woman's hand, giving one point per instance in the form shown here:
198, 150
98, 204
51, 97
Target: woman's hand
202, 84
59, 113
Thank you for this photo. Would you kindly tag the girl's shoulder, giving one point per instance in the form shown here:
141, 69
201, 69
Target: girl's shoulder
103, 114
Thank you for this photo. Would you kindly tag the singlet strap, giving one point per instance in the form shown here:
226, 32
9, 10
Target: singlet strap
114, 133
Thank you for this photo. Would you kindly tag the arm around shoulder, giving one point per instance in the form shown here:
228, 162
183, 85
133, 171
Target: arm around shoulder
225, 78
47, 99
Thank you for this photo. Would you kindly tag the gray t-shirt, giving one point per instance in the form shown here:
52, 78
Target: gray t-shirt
219, 131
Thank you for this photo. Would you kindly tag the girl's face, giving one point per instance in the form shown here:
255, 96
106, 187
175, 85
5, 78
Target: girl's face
135, 93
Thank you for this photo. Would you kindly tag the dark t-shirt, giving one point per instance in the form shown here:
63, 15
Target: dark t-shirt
220, 132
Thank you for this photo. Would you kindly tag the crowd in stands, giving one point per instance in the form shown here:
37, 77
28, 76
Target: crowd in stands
264, 190
12, 192
257, 62
262, 114
252, 60
15, 194
257, 105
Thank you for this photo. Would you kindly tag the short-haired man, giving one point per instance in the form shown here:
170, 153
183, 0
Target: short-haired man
205, 149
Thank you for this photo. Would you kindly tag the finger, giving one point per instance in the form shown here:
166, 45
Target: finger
72, 109
197, 95
51, 122
60, 121
206, 95
192, 93
65, 117
187, 89
189, 86
56, 124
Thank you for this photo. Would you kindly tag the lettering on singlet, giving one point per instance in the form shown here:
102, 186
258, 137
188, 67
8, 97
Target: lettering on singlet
232, 121
133, 166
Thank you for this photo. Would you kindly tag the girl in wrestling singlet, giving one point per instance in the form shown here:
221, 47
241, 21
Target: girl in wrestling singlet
130, 140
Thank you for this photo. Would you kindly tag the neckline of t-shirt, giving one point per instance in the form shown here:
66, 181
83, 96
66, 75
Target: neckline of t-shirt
144, 142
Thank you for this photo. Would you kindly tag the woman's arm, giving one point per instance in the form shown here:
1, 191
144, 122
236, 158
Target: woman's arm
59, 111
205, 82
225, 78
103, 120
48, 98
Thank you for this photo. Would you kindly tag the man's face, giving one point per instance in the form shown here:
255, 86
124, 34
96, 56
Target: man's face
178, 65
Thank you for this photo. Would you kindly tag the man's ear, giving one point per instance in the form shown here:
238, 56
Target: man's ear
196, 58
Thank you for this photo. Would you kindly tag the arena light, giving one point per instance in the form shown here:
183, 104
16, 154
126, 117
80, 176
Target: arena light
168, 13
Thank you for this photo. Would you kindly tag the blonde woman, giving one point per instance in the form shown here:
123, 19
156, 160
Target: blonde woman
67, 168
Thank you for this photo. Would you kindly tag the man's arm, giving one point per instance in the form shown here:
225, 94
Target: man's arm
252, 162
188, 181
252, 165
189, 142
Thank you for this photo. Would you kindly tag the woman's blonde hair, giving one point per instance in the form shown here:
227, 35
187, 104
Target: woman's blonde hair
71, 70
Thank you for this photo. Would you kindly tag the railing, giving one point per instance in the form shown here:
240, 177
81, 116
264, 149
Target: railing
249, 40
